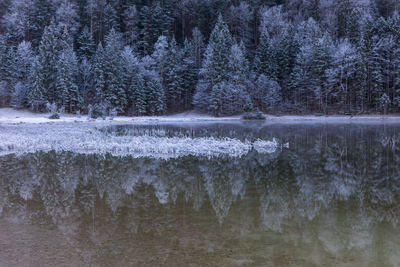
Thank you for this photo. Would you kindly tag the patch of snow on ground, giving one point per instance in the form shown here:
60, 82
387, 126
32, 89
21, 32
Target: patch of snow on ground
9, 115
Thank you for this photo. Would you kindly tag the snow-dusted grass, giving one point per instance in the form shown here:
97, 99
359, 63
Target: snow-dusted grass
86, 139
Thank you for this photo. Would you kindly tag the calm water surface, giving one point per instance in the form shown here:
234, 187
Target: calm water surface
328, 197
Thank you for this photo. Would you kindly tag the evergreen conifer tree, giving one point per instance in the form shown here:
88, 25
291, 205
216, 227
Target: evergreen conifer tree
67, 68
48, 58
215, 65
114, 92
85, 44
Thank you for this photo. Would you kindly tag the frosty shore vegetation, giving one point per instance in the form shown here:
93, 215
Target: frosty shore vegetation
86, 138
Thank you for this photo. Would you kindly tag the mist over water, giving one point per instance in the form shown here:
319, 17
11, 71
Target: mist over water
327, 195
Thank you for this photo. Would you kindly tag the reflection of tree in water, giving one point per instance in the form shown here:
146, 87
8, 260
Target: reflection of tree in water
335, 191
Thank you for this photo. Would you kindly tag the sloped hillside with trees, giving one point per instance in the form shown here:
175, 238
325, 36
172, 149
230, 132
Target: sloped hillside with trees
140, 57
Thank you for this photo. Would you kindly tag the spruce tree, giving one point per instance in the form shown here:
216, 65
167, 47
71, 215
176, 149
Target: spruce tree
86, 82
7, 73
21, 69
155, 96
67, 68
100, 78
36, 95
347, 22
215, 65
114, 92
155, 93
159, 56
369, 73
110, 19
266, 61
188, 73
172, 77
85, 44
266, 94
341, 80
145, 32
231, 95
41, 15
48, 57
133, 83
131, 18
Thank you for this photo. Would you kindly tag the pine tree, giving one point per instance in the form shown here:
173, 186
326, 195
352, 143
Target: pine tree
41, 15
110, 19
21, 69
314, 9
266, 95
66, 16
239, 22
100, 78
341, 75
23, 61
3, 58
161, 21
19, 96
67, 68
321, 61
86, 82
288, 48
215, 65
308, 79
369, 73
48, 57
18, 18
231, 96
347, 24
65, 41
266, 61
37, 95
160, 55
85, 44
188, 73
172, 79
114, 92
146, 37
155, 94
131, 19
7, 74
133, 83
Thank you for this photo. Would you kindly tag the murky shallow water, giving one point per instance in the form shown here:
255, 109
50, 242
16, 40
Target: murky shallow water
328, 198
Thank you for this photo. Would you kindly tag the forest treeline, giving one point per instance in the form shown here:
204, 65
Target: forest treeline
139, 57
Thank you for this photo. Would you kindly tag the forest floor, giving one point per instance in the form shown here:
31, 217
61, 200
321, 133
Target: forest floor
12, 116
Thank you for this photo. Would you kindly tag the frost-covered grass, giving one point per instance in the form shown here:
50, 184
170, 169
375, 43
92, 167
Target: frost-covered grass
86, 139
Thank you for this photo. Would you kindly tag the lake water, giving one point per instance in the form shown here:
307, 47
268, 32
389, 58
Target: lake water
327, 195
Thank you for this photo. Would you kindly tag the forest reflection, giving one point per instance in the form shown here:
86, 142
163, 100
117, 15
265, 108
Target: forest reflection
331, 196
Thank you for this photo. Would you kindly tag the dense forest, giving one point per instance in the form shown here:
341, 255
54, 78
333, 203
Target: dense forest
143, 57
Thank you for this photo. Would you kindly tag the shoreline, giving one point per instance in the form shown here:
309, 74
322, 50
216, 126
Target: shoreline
12, 116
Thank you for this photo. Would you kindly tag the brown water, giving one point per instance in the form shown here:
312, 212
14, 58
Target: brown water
329, 199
